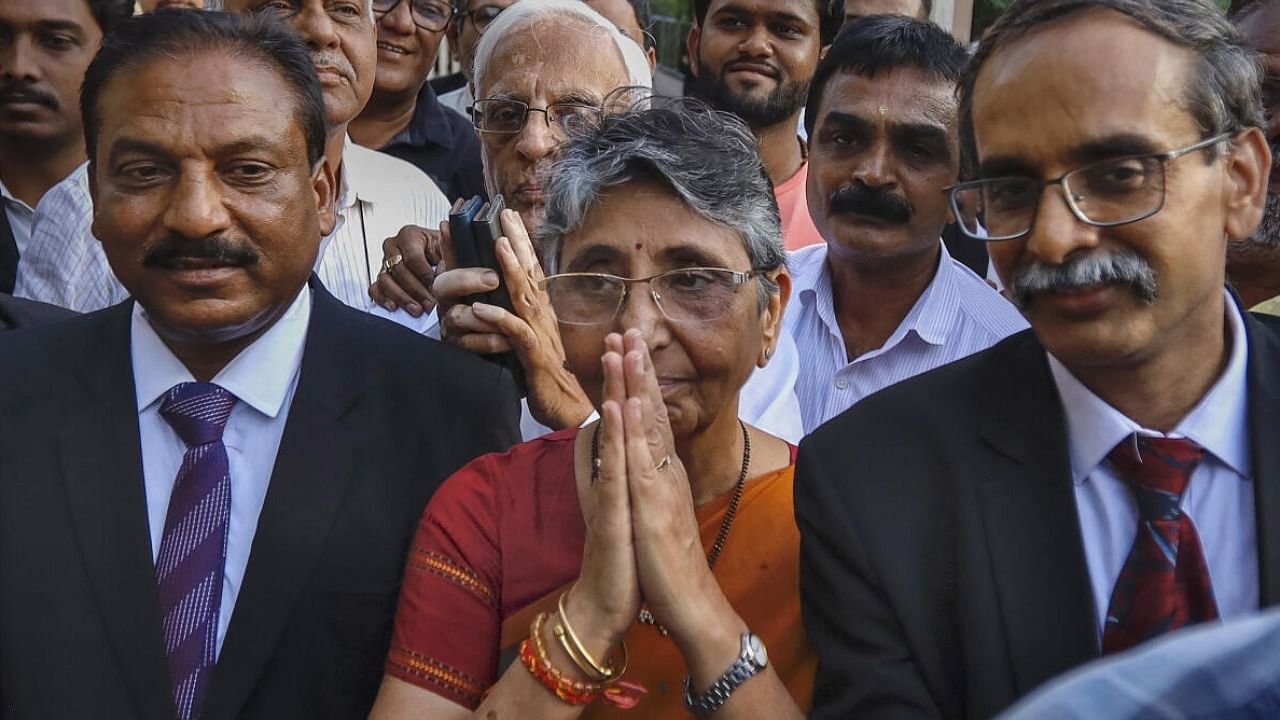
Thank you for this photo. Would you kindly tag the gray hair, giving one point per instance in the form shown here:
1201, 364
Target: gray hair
527, 13
708, 158
1223, 94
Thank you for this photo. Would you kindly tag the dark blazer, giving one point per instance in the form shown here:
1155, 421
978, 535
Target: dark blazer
18, 313
942, 568
380, 417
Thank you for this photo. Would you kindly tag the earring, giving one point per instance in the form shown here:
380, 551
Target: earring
768, 354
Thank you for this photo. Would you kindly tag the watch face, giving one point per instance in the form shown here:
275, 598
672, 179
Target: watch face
758, 651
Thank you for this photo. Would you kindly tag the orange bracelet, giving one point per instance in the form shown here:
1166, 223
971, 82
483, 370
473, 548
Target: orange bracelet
533, 653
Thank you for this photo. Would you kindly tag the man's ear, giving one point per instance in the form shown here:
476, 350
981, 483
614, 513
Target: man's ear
325, 186
691, 47
93, 194
1248, 167
771, 318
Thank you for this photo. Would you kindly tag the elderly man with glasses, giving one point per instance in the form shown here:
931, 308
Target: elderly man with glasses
1112, 474
541, 70
404, 117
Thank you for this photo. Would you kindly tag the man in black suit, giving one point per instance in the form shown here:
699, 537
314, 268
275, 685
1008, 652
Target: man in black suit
1112, 473
206, 495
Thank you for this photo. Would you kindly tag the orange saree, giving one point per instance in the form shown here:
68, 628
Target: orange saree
503, 538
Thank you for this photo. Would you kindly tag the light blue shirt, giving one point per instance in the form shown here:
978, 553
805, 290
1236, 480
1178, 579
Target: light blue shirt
263, 377
957, 315
1218, 499
1207, 671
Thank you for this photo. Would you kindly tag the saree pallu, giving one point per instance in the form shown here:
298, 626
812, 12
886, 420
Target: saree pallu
503, 539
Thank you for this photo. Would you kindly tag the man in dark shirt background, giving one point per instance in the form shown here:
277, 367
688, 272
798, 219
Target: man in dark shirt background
403, 117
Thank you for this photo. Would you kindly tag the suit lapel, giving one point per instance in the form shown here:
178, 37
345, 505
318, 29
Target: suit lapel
1027, 506
312, 471
102, 469
1264, 419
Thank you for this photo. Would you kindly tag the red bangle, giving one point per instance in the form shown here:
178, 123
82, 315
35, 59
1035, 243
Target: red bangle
539, 665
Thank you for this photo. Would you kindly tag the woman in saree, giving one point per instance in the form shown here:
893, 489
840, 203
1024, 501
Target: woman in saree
645, 565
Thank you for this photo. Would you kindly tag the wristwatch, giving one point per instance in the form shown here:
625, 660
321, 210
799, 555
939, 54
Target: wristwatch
751, 660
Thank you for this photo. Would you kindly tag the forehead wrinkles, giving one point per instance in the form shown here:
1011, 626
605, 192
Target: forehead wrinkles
557, 39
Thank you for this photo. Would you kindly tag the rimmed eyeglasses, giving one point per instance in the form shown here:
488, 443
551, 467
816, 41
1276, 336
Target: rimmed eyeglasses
1103, 194
698, 294
430, 15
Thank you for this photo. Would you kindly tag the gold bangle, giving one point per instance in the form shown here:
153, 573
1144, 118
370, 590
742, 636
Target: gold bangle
579, 654
544, 663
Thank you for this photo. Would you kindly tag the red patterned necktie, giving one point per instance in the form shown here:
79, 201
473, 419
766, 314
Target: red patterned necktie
1164, 584
193, 549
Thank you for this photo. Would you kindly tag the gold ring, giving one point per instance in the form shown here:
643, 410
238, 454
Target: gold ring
391, 262
666, 463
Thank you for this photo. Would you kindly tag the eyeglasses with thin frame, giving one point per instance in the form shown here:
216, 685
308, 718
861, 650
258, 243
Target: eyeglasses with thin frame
482, 16
508, 117
697, 294
1103, 194
430, 15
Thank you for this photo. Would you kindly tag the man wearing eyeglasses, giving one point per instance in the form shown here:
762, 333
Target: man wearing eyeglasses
1111, 475
471, 19
403, 117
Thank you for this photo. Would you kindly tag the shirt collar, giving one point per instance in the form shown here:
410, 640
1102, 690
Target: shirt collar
1218, 423
260, 376
8, 198
931, 318
428, 126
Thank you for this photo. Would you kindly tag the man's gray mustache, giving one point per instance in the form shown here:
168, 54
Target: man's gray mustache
335, 60
1086, 271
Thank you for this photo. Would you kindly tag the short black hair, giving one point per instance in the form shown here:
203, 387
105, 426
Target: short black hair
110, 13
173, 33
874, 44
830, 17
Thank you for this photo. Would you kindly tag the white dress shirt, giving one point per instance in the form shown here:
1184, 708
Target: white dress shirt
378, 194
20, 216
1219, 496
957, 315
263, 377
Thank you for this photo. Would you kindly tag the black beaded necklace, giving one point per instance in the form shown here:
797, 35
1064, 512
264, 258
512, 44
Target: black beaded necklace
722, 536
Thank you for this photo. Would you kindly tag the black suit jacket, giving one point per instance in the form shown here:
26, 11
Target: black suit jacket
942, 568
17, 313
380, 417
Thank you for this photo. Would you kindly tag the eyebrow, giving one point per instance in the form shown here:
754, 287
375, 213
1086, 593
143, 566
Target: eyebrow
59, 24
143, 147
774, 15
1105, 148
857, 122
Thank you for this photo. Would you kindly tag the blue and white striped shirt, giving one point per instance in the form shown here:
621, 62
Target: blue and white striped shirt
957, 315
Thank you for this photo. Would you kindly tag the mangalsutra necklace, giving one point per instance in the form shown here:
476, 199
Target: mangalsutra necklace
717, 547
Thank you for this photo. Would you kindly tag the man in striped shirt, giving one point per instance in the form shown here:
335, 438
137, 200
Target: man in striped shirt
378, 194
881, 300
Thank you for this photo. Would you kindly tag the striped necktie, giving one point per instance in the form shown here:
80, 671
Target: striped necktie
193, 549
1164, 584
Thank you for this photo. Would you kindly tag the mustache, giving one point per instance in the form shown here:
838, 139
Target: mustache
333, 59
171, 250
23, 91
862, 200
1086, 271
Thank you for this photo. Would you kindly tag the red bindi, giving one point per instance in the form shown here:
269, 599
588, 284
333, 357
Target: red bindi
639, 246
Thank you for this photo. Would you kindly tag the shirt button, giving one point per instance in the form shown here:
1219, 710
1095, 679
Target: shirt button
841, 383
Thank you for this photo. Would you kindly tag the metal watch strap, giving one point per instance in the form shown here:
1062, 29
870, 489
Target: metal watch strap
718, 694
